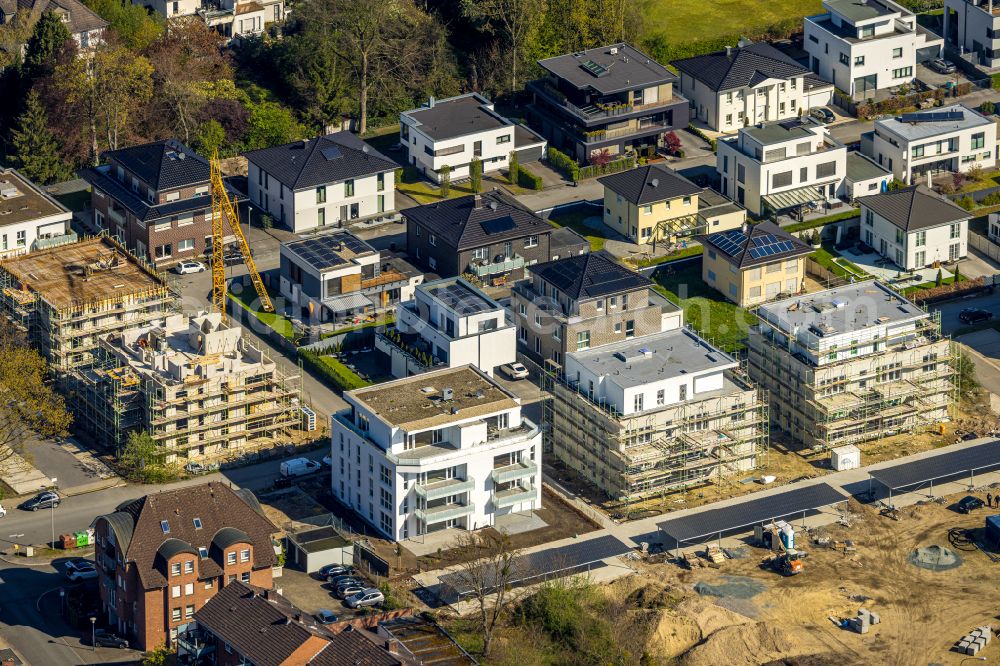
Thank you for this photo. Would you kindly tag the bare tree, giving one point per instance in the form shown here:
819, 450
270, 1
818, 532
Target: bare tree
490, 575
513, 21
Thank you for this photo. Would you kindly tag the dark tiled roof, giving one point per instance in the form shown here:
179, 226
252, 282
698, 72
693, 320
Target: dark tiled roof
591, 275
81, 17
137, 525
351, 648
740, 67
914, 208
141, 208
649, 184
456, 116
163, 164
320, 161
628, 69
743, 258
459, 223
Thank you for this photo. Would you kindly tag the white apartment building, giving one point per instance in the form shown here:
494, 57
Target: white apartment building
867, 45
329, 181
973, 27
779, 166
444, 449
448, 323
30, 219
851, 364
456, 130
914, 227
952, 138
749, 84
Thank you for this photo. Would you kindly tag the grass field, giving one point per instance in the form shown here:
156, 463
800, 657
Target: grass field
679, 20
247, 299
716, 319
574, 220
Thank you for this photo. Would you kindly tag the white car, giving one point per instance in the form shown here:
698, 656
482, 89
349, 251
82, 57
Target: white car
82, 573
328, 461
515, 371
370, 597
185, 267
3, 511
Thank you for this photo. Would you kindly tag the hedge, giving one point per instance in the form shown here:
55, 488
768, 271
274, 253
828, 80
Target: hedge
564, 163
528, 180
328, 372
701, 135
822, 221
621, 164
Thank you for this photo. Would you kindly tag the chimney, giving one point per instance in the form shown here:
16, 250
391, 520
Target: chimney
729, 51
477, 201
392, 646
430, 101
305, 142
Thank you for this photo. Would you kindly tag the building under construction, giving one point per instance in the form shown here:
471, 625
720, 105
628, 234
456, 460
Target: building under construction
852, 364
196, 385
656, 414
66, 297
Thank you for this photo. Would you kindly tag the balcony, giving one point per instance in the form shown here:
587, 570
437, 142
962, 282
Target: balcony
439, 514
508, 473
596, 111
485, 267
512, 496
53, 241
443, 488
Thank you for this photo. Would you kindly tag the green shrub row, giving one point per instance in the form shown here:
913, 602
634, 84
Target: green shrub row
338, 381
822, 221
621, 164
701, 135
528, 180
564, 163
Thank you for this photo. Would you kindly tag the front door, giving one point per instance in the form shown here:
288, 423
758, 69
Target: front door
343, 213
883, 247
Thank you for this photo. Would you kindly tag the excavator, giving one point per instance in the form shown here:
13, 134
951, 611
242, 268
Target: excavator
223, 210
788, 562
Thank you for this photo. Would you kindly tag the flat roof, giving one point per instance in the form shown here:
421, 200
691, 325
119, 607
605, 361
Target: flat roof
460, 296
925, 130
651, 358
608, 69
860, 168
748, 512
22, 201
977, 458
842, 309
330, 250
93, 270
418, 402
779, 132
456, 116
861, 10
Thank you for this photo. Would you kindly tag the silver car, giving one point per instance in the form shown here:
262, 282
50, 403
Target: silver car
370, 597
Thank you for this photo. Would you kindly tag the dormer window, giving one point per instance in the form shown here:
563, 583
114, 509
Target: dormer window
165, 526
197, 523
202, 552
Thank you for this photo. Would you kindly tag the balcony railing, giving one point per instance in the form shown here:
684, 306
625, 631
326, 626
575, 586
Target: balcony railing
485, 267
439, 514
514, 472
443, 488
512, 496
593, 111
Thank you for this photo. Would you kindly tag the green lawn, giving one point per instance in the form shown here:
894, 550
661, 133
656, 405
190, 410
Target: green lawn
574, 220
247, 299
716, 319
689, 251
822, 221
680, 20
830, 259
989, 179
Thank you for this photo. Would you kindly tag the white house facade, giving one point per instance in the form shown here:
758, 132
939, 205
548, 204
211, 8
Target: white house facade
952, 138
973, 26
867, 45
914, 228
30, 219
440, 450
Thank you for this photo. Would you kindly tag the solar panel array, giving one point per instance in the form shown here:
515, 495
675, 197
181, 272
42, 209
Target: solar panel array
331, 153
980, 458
932, 117
498, 225
327, 251
766, 245
594, 68
730, 242
460, 298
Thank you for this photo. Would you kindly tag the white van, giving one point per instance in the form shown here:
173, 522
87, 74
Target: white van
299, 467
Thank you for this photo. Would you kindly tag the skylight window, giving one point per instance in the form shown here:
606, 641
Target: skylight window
202, 552
165, 526
197, 523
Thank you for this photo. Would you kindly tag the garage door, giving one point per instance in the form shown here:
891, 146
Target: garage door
928, 53
529, 154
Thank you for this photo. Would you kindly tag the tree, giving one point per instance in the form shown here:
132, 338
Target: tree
672, 142
142, 460
895, 184
965, 369
513, 21
490, 573
271, 124
158, 657
34, 149
210, 138
445, 181
476, 174
958, 275
16, 32
134, 26
513, 168
30, 405
47, 39
938, 279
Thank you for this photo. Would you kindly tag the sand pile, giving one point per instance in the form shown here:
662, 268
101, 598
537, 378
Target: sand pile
935, 558
686, 626
750, 644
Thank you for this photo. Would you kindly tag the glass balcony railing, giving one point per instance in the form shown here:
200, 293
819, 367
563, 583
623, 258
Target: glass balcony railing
485, 267
438, 514
514, 472
443, 488
512, 496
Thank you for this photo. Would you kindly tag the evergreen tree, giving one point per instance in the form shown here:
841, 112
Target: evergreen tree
938, 279
445, 181
35, 151
48, 38
514, 168
476, 174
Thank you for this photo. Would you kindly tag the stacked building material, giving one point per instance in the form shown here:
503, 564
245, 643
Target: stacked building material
974, 641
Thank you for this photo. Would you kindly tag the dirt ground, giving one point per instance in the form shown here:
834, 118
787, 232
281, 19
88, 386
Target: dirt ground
923, 612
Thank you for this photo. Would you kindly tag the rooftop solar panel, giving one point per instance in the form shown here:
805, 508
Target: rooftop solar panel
979, 458
460, 298
498, 225
327, 250
331, 153
932, 117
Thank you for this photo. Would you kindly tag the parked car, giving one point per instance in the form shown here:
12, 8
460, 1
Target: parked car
974, 315
103, 638
515, 371
83, 572
370, 597
299, 467
941, 66
349, 590
336, 579
324, 616
189, 266
328, 460
43, 500
822, 114
3, 511
334, 570
970, 503
77, 563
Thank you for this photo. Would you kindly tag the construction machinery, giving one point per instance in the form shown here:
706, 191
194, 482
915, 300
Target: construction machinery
788, 563
223, 210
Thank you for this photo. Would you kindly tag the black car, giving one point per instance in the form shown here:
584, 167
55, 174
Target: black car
822, 114
974, 315
970, 503
941, 66
105, 639
335, 570
44, 500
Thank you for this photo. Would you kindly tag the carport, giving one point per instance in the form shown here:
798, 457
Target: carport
735, 518
946, 467
312, 549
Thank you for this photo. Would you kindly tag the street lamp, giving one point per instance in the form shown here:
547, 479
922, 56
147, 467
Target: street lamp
52, 515
93, 631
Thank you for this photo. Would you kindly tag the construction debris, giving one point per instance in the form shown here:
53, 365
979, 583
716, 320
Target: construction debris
974, 641
862, 622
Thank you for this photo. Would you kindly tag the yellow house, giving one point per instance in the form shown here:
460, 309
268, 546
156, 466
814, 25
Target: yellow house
754, 264
652, 204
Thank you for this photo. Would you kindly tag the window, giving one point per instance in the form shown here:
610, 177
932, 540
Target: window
175, 614
165, 526
175, 591
231, 557
189, 611
188, 589
978, 140
660, 397
826, 169
197, 523
869, 218
380, 203
921, 239
729, 119
245, 577
163, 252
813, 39
321, 194
531, 241
687, 201
920, 258
185, 245
245, 555
432, 240
630, 329
741, 173
505, 138
189, 566
349, 188
583, 340
618, 327
637, 402
955, 231
202, 552
900, 236
897, 53
711, 276
954, 252
917, 151
902, 73
646, 210
783, 179
859, 60
844, 59
866, 31
380, 182
754, 292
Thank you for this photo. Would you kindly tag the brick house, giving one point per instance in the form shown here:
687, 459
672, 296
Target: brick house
161, 557
583, 302
489, 235
156, 198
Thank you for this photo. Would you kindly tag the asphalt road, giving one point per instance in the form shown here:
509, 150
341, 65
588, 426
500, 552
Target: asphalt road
949, 311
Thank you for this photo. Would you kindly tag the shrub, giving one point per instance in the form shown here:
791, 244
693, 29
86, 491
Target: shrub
564, 163
528, 180
946, 188
958, 180
476, 175
339, 381
991, 199
600, 158
988, 107
672, 143
975, 173
938, 279
995, 81
966, 202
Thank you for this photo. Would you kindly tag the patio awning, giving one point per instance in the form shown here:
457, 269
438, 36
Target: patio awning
348, 303
791, 198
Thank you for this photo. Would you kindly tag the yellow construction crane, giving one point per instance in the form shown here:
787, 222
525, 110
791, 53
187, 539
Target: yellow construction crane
223, 208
